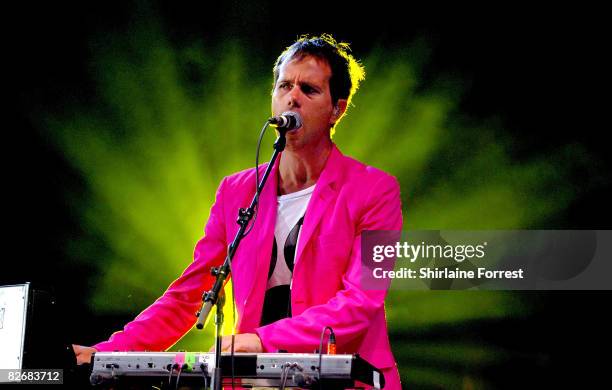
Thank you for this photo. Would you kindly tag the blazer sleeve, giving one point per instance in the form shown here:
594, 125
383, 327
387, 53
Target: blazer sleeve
351, 310
163, 323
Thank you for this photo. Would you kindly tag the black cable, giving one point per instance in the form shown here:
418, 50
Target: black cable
286, 370
233, 329
170, 375
232, 355
204, 369
284, 376
261, 135
178, 377
321, 351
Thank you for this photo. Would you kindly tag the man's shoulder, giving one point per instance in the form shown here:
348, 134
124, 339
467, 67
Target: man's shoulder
245, 176
360, 173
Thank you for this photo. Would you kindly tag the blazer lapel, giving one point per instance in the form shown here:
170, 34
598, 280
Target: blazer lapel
323, 196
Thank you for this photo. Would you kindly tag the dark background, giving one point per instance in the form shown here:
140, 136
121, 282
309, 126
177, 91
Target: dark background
540, 72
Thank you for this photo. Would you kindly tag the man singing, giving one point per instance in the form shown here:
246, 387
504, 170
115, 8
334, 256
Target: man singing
299, 269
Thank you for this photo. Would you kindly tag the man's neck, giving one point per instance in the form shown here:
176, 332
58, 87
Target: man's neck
300, 169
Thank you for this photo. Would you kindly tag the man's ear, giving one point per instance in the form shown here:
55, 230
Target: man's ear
339, 110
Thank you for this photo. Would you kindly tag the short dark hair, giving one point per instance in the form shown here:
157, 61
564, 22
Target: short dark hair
346, 71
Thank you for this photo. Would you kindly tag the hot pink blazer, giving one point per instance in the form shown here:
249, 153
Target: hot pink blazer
349, 198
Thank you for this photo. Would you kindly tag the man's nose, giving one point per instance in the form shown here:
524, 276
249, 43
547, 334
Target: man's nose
294, 98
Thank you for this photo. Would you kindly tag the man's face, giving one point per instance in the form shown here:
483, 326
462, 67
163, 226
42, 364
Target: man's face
303, 87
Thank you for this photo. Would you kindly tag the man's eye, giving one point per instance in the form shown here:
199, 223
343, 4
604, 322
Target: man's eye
284, 85
308, 90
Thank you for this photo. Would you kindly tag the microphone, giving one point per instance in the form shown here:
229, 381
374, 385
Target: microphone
287, 121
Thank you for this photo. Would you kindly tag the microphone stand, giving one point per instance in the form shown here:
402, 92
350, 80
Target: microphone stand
215, 295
